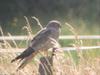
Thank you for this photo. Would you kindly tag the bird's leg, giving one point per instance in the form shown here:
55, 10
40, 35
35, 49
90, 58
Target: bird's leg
52, 55
53, 51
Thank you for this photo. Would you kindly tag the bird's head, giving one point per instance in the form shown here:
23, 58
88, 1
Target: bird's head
54, 24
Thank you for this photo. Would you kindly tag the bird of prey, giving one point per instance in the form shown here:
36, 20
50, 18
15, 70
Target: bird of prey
45, 39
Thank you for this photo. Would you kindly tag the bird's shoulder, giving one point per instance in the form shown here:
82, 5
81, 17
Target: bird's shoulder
44, 33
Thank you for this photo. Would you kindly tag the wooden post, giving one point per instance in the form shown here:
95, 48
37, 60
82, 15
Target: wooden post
46, 67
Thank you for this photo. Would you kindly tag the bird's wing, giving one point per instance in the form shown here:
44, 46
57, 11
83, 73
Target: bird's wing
38, 42
41, 39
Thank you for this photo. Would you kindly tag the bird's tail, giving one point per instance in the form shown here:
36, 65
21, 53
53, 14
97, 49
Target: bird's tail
25, 61
25, 57
24, 54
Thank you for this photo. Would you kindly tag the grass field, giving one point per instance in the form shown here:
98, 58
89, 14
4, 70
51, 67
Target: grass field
64, 63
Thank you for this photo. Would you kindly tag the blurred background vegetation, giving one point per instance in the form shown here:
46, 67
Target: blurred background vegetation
84, 15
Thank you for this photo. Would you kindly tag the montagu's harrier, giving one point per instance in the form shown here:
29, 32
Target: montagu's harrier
45, 39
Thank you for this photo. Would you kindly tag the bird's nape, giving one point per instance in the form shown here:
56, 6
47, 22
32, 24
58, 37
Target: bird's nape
54, 23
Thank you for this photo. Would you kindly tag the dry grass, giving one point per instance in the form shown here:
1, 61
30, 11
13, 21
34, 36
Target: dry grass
62, 64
